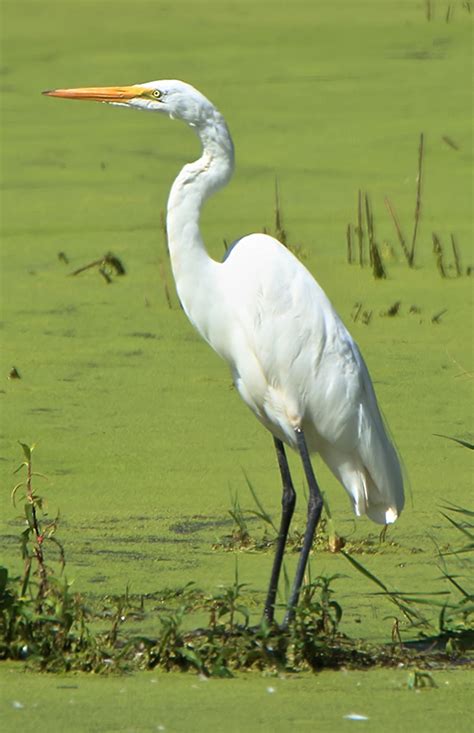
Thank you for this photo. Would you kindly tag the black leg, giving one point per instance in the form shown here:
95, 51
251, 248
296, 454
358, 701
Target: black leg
288, 501
315, 505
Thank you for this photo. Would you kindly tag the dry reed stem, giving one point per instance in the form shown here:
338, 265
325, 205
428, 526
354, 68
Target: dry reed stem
370, 227
279, 230
438, 253
401, 237
376, 263
360, 231
349, 244
166, 289
418, 200
457, 259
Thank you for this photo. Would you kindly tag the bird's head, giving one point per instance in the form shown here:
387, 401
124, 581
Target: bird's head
175, 98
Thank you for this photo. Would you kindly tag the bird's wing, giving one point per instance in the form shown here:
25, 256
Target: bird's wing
295, 363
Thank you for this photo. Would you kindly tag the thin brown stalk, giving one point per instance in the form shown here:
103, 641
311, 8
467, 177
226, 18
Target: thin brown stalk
457, 259
439, 256
360, 231
370, 227
164, 230
108, 259
165, 285
95, 263
279, 230
401, 237
376, 263
349, 243
418, 200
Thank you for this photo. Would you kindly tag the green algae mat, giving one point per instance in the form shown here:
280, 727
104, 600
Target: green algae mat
333, 701
145, 443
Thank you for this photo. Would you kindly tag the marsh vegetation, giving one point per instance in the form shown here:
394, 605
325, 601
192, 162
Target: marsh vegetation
139, 431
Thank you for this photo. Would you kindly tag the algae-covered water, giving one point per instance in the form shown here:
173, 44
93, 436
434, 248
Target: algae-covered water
137, 426
333, 701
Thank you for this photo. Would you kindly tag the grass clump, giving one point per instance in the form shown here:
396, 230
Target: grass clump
364, 231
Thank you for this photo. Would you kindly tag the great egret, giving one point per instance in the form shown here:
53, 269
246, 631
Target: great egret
292, 360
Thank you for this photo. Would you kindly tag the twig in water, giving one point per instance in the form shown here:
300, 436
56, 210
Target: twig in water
449, 141
105, 263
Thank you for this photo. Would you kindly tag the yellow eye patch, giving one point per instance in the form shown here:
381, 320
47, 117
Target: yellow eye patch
153, 94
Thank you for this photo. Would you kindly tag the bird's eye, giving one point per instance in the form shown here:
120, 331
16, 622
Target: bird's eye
156, 93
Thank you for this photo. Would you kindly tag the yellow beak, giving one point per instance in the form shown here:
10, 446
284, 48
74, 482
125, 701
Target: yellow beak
100, 94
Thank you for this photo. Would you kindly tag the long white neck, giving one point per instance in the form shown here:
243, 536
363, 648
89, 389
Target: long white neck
193, 269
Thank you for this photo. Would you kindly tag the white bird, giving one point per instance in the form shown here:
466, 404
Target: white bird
292, 360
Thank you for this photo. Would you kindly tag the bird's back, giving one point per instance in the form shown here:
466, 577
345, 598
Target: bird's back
295, 364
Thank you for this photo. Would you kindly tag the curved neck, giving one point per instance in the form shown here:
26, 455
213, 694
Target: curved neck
194, 184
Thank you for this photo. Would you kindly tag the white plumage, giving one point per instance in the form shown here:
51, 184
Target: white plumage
292, 360
295, 364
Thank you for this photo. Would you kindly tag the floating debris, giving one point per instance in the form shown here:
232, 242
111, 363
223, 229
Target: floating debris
108, 266
449, 141
393, 310
437, 316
